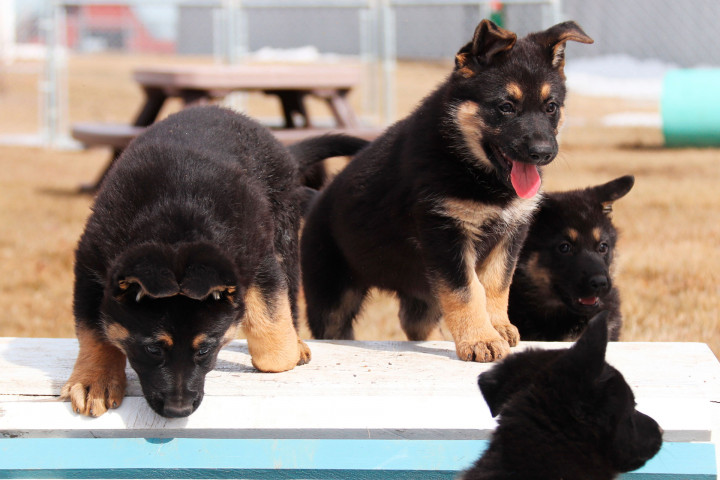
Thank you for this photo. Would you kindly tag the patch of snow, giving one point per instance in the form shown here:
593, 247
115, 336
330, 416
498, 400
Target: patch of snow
619, 76
632, 119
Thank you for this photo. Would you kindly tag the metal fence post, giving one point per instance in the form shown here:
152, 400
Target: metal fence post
389, 59
53, 85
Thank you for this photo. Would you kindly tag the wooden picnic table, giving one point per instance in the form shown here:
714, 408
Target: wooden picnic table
198, 84
358, 410
290, 83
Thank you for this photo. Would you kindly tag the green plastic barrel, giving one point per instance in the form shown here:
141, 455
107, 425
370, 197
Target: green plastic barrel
690, 108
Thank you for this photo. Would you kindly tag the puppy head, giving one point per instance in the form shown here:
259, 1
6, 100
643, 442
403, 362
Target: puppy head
170, 310
605, 403
509, 96
513, 375
570, 247
579, 394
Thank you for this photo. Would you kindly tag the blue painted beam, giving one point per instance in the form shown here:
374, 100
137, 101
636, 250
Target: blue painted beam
286, 459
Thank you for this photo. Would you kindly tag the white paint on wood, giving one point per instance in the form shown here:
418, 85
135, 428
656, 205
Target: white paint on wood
349, 390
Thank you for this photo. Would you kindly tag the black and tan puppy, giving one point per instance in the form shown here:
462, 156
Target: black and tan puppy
564, 414
564, 272
193, 233
436, 209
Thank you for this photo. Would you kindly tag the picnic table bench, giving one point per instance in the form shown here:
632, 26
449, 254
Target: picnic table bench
198, 84
358, 410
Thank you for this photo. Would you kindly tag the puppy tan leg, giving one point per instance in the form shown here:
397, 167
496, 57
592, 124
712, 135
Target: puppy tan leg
98, 381
465, 312
495, 274
497, 310
272, 339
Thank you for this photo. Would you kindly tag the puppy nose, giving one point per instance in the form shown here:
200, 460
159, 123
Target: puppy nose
541, 151
599, 282
177, 408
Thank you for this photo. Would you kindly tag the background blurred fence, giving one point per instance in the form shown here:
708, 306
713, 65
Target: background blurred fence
377, 32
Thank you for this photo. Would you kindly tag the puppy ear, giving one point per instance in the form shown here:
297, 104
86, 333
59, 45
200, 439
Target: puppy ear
207, 272
144, 270
490, 387
488, 41
613, 190
588, 353
555, 38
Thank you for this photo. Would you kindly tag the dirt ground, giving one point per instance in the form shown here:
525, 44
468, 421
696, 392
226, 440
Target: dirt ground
669, 251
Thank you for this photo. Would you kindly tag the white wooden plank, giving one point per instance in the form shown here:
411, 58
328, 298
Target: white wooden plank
349, 390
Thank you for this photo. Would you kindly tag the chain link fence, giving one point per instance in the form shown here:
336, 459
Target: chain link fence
680, 33
34, 45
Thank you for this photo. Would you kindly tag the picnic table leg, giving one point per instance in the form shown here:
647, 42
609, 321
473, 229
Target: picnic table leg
340, 106
154, 100
292, 102
195, 97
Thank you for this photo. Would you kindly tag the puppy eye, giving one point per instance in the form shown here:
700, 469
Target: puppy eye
203, 351
564, 247
551, 107
154, 350
507, 107
603, 248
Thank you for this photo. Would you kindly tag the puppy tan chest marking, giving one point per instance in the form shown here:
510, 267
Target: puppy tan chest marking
472, 216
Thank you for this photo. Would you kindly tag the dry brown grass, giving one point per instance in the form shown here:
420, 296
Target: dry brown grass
670, 222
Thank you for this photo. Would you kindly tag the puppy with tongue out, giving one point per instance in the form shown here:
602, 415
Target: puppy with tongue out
435, 210
525, 179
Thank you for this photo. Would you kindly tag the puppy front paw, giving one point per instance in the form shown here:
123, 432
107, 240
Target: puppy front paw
92, 391
483, 351
305, 354
509, 332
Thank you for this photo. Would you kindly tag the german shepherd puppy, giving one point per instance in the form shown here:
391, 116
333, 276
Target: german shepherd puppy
437, 207
193, 233
564, 272
564, 414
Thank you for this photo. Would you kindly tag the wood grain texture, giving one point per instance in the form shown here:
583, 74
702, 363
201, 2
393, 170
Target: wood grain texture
351, 389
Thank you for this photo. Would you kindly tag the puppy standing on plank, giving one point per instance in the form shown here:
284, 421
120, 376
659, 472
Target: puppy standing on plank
194, 232
436, 209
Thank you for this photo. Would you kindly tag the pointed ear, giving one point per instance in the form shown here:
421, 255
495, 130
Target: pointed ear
207, 272
555, 38
488, 41
144, 270
588, 353
609, 192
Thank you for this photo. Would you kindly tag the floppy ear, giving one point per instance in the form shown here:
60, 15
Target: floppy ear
207, 272
488, 41
588, 353
144, 270
555, 38
613, 190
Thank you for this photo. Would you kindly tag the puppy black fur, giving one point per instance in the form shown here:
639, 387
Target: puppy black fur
564, 414
433, 209
564, 272
194, 231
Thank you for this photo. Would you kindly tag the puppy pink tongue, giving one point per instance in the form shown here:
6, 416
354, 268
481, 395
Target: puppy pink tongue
525, 179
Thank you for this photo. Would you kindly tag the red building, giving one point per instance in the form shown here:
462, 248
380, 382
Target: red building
111, 27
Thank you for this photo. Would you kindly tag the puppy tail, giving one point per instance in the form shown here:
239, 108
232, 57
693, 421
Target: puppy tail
316, 149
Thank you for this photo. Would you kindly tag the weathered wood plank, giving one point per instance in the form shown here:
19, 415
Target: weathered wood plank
414, 390
313, 459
